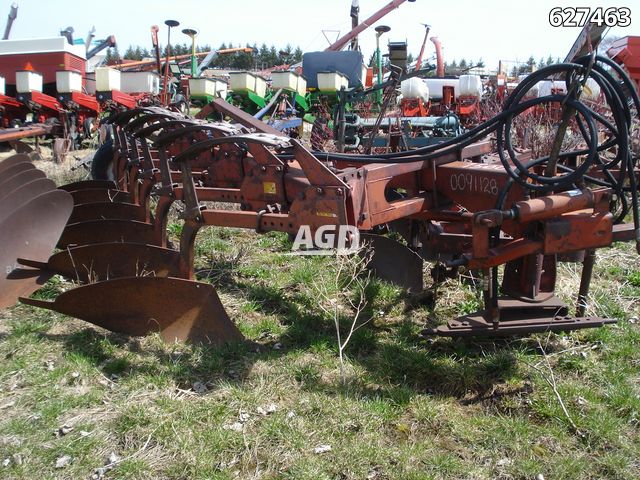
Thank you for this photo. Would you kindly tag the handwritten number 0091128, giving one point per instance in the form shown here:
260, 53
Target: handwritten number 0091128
580, 16
472, 183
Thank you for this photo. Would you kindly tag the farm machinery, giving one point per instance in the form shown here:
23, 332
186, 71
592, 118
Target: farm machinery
474, 202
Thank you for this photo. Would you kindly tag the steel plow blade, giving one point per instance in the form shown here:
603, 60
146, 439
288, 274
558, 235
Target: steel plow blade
15, 169
15, 182
108, 211
24, 194
13, 177
104, 261
394, 262
13, 160
31, 231
22, 282
180, 310
103, 231
89, 184
93, 195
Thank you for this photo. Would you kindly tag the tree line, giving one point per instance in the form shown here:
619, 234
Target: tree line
261, 57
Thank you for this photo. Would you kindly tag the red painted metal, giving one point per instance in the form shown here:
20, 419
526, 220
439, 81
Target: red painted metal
47, 64
117, 97
78, 100
439, 57
38, 100
626, 51
10, 134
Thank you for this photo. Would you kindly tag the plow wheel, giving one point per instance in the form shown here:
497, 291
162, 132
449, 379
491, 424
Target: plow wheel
30, 231
180, 310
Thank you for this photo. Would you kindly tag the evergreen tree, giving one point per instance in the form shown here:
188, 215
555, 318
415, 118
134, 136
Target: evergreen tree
273, 56
129, 53
297, 55
117, 59
531, 63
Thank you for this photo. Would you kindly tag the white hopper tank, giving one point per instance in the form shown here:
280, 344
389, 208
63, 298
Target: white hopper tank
415, 88
470, 86
545, 87
435, 86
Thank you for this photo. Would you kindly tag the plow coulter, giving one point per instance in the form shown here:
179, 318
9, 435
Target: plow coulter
463, 204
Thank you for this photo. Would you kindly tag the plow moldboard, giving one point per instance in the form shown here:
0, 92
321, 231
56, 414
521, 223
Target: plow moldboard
10, 178
31, 231
103, 261
92, 195
181, 310
395, 262
14, 170
89, 184
15, 182
103, 231
13, 160
23, 194
108, 211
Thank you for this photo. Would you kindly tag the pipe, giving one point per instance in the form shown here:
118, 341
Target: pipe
345, 39
355, 11
175, 58
156, 47
13, 14
424, 42
109, 42
272, 102
90, 37
12, 134
165, 94
439, 59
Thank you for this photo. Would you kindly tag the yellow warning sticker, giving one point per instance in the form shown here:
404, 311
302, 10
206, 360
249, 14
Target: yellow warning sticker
326, 214
269, 187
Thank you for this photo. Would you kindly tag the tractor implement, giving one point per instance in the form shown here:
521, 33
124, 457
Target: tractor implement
465, 203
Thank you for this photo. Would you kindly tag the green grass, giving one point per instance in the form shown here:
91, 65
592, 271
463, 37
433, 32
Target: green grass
407, 407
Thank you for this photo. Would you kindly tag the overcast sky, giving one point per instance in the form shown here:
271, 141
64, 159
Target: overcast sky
491, 29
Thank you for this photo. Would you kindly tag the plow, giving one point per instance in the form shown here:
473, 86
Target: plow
473, 202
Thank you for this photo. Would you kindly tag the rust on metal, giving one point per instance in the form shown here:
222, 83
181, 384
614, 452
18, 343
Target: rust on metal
30, 231
194, 312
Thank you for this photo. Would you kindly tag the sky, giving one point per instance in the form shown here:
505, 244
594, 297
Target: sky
489, 29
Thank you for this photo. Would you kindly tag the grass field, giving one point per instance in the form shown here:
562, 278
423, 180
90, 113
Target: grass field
80, 402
